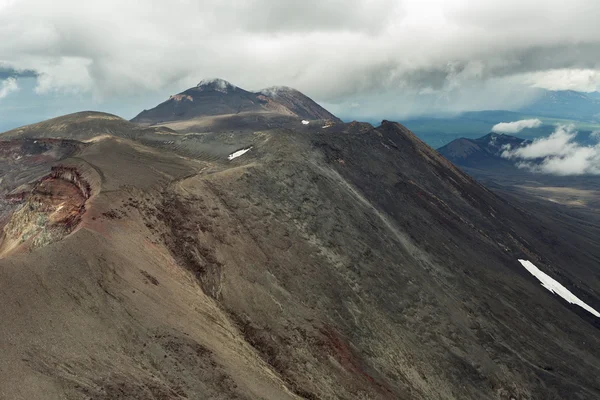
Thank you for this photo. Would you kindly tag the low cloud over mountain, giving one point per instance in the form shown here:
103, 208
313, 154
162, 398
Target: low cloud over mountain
516, 126
557, 154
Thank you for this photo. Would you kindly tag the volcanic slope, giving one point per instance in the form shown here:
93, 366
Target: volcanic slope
217, 104
348, 262
83, 126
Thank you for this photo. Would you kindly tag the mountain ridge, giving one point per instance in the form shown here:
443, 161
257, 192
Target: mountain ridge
345, 261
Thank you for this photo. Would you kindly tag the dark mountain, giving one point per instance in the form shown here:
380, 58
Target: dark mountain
339, 261
566, 104
217, 97
482, 153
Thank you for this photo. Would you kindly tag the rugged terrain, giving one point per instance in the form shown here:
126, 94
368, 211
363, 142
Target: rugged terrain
327, 261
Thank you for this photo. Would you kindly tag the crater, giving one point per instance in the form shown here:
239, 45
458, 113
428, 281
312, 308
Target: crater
46, 210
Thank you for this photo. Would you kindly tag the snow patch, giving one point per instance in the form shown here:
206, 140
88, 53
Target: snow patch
238, 153
305, 122
556, 287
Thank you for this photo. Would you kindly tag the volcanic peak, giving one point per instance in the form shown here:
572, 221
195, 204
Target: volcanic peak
217, 84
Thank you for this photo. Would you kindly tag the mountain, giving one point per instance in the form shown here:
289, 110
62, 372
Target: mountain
482, 153
334, 261
566, 104
217, 97
83, 126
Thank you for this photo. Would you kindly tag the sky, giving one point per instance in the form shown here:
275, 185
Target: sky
363, 59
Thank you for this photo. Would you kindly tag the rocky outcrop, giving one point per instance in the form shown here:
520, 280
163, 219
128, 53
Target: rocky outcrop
14, 198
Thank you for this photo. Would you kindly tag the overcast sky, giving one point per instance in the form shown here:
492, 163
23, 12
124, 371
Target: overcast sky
361, 58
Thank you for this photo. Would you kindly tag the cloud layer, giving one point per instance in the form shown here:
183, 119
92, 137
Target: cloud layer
333, 47
557, 154
393, 57
516, 126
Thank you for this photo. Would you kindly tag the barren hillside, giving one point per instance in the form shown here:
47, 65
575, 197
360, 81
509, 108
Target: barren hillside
338, 262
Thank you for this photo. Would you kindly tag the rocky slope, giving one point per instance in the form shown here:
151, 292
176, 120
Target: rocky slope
340, 262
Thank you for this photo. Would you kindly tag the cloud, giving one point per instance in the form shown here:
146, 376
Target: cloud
581, 80
557, 154
6, 3
268, 16
69, 74
403, 56
8, 86
516, 126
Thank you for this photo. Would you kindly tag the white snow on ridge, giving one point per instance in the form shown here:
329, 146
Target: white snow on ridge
238, 153
305, 122
556, 287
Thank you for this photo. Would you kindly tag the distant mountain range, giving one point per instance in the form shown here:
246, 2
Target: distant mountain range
566, 104
485, 153
552, 107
